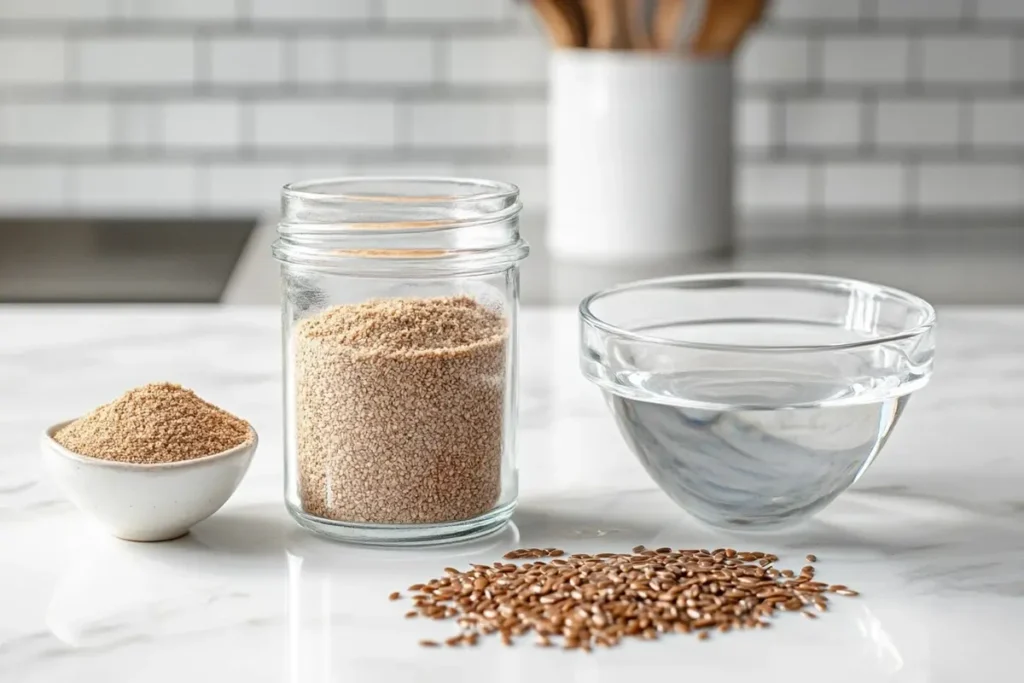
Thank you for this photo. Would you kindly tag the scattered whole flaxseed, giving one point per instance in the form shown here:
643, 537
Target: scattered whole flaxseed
399, 408
589, 600
154, 424
525, 553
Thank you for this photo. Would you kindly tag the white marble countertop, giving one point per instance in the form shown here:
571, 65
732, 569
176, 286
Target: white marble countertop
933, 535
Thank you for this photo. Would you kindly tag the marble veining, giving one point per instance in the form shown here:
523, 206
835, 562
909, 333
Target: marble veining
933, 535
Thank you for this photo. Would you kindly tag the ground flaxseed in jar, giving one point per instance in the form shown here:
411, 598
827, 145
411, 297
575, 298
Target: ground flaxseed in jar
399, 410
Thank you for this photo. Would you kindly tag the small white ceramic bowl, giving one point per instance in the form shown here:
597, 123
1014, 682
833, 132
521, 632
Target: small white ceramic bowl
147, 502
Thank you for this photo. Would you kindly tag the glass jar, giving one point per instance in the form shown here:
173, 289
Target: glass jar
400, 299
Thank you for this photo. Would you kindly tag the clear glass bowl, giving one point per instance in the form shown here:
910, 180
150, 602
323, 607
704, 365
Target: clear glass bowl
754, 399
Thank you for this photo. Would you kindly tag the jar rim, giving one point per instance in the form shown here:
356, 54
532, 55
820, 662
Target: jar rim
489, 189
426, 224
349, 205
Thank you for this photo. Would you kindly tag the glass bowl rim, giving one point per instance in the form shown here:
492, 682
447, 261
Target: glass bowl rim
804, 281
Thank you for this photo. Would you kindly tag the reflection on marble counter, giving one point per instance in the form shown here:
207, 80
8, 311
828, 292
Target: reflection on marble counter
933, 535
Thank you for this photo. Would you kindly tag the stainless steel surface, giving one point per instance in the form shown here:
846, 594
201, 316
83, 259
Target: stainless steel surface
210, 260
954, 265
124, 260
946, 264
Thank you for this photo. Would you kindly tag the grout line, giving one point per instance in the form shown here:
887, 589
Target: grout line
777, 124
157, 128
965, 128
534, 155
869, 123
815, 61
202, 71
247, 26
243, 22
444, 91
915, 65
968, 13
403, 127
201, 186
910, 188
68, 182
376, 18
869, 14
246, 128
290, 63
428, 91
1017, 64
117, 123
816, 191
72, 58
442, 60
243, 13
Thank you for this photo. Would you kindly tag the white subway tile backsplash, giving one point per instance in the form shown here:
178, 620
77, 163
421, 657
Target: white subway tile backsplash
532, 181
33, 187
149, 61
312, 170
137, 125
32, 61
302, 124
833, 10
247, 187
753, 123
967, 59
497, 61
319, 60
774, 186
446, 11
866, 60
57, 10
863, 91
970, 187
999, 10
305, 10
902, 122
55, 125
122, 188
158, 10
997, 123
435, 167
927, 10
865, 187
770, 59
388, 61
477, 124
201, 124
246, 60
368, 61
823, 123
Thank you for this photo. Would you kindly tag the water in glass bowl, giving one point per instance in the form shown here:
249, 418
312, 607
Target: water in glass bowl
760, 442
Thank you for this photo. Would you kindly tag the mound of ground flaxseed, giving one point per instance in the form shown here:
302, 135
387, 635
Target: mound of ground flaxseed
155, 423
399, 408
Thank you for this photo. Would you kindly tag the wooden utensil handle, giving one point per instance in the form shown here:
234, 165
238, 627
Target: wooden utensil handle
725, 24
606, 26
667, 17
563, 20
